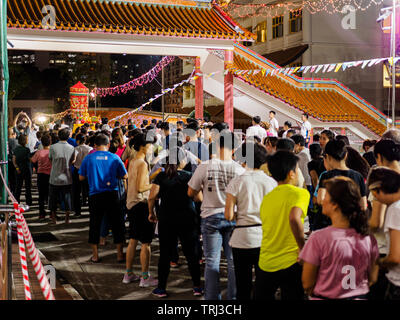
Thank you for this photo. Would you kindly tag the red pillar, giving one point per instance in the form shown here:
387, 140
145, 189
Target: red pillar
228, 90
199, 106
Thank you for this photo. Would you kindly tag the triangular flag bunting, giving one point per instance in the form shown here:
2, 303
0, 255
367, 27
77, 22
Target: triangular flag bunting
373, 62
319, 68
307, 68
364, 64
313, 68
339, 65
331, 67
326, 66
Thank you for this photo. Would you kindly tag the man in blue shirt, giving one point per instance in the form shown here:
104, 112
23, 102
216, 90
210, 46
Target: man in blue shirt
103, 169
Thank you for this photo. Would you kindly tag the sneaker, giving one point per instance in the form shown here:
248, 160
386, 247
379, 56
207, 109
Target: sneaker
159, 293
198, 291
149, 282
130, 278
174, 265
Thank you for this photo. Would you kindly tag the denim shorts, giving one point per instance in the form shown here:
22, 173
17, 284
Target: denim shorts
58, 194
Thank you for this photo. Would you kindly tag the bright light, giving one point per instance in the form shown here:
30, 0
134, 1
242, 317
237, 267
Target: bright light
41, 119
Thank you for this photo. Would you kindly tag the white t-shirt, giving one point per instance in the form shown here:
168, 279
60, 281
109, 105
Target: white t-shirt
274, 127
258, 131
305, 158
213, 177
392, 221
249, 190
305, 129
380, 233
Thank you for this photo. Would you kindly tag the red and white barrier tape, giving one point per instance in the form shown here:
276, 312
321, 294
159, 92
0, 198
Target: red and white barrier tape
24, 233
22, 254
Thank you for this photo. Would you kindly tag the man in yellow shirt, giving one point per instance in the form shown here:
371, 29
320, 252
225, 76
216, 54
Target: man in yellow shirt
282, 214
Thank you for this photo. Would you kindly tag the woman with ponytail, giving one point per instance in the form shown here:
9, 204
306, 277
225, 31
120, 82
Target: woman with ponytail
340, 261
384, 184
177, 219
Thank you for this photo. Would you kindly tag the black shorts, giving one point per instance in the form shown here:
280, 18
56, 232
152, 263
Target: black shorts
141, 228
106, 203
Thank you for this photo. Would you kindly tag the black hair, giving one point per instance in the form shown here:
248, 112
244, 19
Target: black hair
116, 124
293, 131
257, 154
273, 112
56, 127
368, 143
165, 126
285, 144
257, 119
114, 144
84, 130
54, 138
154, 121
336, 149
228, 140
145, 122
388, 150
130, 127
46, 140
220, 126
344, 139
288, 124
97, 126
39, 135
80, 138
273, 141
101, 140
316, 137
385, 179
329, 134
254, 139
175, 157
345, 193
23, 140
64, 134
299, 139
281, 163
356, 162
129, 121
140, 140
104, 120
305, 114
180, 122
192, 128
91, 140
315, 151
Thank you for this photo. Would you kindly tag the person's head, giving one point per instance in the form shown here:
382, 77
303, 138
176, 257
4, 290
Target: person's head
129, 121
46, 140
176, 160
165, 128
316, 137
304, 117
285, 144
154, 122
270, 144
287, 125
335, 151
392, 134
355, 161
290, 133
256, 120
342, 200
179, 124
283, 167
272, 114
386, 151
344, 139
255, 139
117, 124
117, 135
97, 126
11, 133
384, 184
228, 141
80, 139
23, 140
254, 155
39, 135
192, 130
56, 127
217, 128
64, 134
84, 130
104, 120
368, 144
299, 142
315, 151
141, 144
325, 137
145, 122
102, 140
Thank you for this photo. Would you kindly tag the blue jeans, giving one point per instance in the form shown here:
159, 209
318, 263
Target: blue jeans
216, 232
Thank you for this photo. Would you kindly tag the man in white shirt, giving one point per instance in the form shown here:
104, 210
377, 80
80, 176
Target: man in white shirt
212, 178
305, 128
304, 155
256, 129
274, 126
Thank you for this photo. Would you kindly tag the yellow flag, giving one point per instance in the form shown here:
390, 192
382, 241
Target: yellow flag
339, 65
263, 72
391, 60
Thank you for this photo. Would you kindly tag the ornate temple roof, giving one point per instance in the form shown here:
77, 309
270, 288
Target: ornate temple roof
166, 18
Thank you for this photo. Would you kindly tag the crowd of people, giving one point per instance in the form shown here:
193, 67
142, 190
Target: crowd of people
249, 196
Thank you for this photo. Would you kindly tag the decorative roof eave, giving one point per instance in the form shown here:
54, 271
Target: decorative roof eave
166, 19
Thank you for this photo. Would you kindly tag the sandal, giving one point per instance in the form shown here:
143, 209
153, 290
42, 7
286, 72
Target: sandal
95, 261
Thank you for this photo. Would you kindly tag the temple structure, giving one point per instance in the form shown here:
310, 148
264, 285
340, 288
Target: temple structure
198, 29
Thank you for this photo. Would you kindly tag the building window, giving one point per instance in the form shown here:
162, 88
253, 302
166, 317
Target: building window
296, 21
262, 32
277, 27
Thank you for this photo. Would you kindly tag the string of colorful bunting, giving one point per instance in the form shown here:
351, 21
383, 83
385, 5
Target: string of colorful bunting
138, 82
330, 67
163, 92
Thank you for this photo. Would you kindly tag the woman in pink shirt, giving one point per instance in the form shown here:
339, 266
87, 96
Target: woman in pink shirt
340, 261
41, 157
118, 140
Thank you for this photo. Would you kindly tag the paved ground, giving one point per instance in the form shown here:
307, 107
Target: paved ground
66, 248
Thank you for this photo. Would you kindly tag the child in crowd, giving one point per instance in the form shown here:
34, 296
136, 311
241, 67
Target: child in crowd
21, 161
